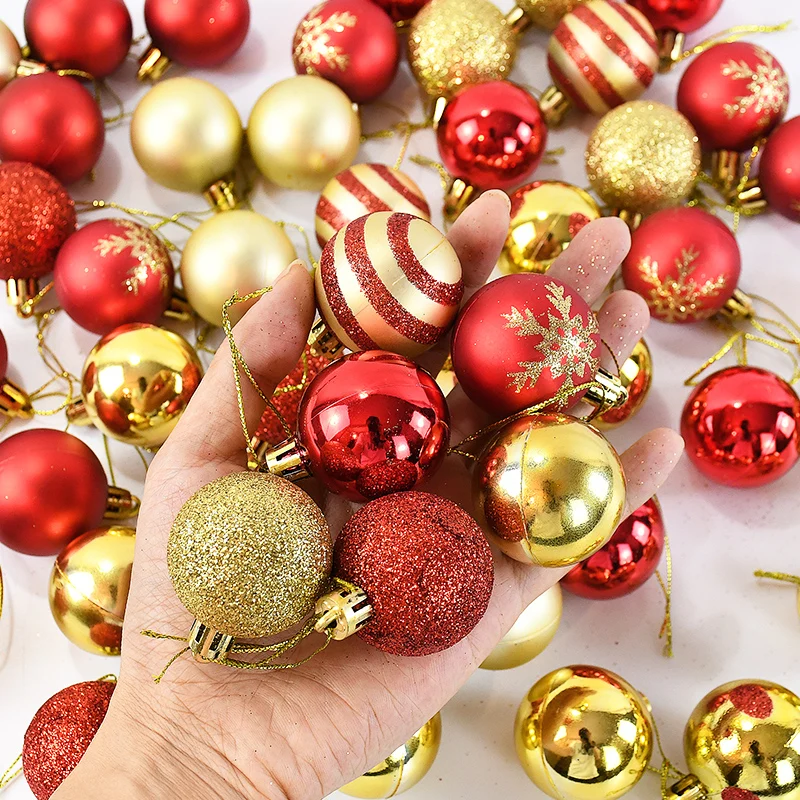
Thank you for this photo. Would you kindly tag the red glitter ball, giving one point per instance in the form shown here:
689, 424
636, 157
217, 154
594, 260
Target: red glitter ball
735, 793
60, 733
425, 566
752, 700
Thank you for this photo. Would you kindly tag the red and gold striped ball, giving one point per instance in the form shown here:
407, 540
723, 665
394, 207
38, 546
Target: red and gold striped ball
602, 55
365, 189
389, 281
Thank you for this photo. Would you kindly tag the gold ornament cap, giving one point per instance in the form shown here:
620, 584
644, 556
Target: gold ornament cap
152, 65
636, 377
342, 613
14, 401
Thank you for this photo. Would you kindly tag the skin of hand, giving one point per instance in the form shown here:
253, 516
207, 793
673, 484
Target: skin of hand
211, 732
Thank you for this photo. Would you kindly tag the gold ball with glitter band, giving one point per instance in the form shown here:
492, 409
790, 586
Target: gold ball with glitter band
365, 189
387, 281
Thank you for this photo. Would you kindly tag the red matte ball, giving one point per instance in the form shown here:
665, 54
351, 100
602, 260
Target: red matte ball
113, 272
492, 135
733, 94
197, 33
626, 561
373, 423
351, 43
684, 16
52, 489
72, 34
54, 122
3, 356
401, 10
740, 426
779, 170
684, 262
425, 567
61, 732
522, 339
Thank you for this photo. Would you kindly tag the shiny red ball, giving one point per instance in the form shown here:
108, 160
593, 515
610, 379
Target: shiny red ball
733, 94
626, 561
351, 43
52, 489
779, 170
373, 423
492, 135
684, 262
740, 426
197, 33
73, 34
684, 16
401, 10
61, 732
112, 272
54, 122
522, 339
425, 567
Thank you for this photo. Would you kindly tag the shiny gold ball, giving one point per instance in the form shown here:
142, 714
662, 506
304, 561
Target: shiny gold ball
457, 43
186, 134
584, 733
235, 251
249, 554
10, 55
642, 157
636, 375
302, 132
404, 768
549, 490
530, 634
746, 735
89, 588
547, 14
137, 381
545, 217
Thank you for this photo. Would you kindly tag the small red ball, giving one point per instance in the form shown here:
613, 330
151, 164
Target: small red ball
401, 10
684, 16
73, 34
425, 567
733, 94
522, 339
197, 33
52, 489
3, 356
740, 426
492, 135
779, 170
373, 423
112, 272
684, 262
61, 732
351, 43
53, 122
626, 561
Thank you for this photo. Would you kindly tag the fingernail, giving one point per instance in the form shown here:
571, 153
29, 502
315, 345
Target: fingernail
501, 193
288, 269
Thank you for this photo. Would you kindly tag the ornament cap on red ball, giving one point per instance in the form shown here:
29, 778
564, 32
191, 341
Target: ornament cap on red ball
779, 170
682, 16
401, 11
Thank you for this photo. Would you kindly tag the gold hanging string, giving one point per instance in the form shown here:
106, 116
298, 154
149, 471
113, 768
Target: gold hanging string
296, 387
14, 771
201, 338
444, 175
54, 365
667, 770
785, 324
666, 588
778, 576
307, 241
143, 458
108, 461
27, 308
731, 35
747, 168
552, 156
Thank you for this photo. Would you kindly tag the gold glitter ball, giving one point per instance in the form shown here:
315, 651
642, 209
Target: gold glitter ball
547, 13
643, 157
249, 554
456, 43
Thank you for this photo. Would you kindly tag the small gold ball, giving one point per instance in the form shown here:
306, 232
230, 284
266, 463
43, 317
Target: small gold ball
89, 588
10, 55
642, 157
547, 14
636, 376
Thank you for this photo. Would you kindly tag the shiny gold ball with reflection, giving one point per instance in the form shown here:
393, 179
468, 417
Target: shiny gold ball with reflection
549, 490
636, 375
530, 634
137, 382
10, 55
584, 733
89, 588
404, 768
547, 14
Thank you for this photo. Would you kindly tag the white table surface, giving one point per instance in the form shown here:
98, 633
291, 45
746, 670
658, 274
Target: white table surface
727, 625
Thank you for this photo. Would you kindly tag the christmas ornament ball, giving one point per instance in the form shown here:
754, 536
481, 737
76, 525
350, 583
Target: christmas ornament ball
547, 14
636, 377
425, 567
401, 10
583, 732
3, 356
10, 55
779, 170
740, 426
683, 16
89, 588
549, 490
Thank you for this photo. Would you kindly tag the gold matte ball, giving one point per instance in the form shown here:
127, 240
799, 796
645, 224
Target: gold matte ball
302, 132
404, 768
642, 157
186, 134
249, 554
137, 382
89, 588
456, 43
530, 634
547, 14
10, 55
235, 251
636, 377
549, 490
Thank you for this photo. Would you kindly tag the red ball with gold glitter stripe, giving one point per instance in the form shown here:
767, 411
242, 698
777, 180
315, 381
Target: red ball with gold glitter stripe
389, 281
603, 54
365, 189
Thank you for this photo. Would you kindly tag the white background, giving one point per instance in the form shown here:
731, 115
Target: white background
727, 625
